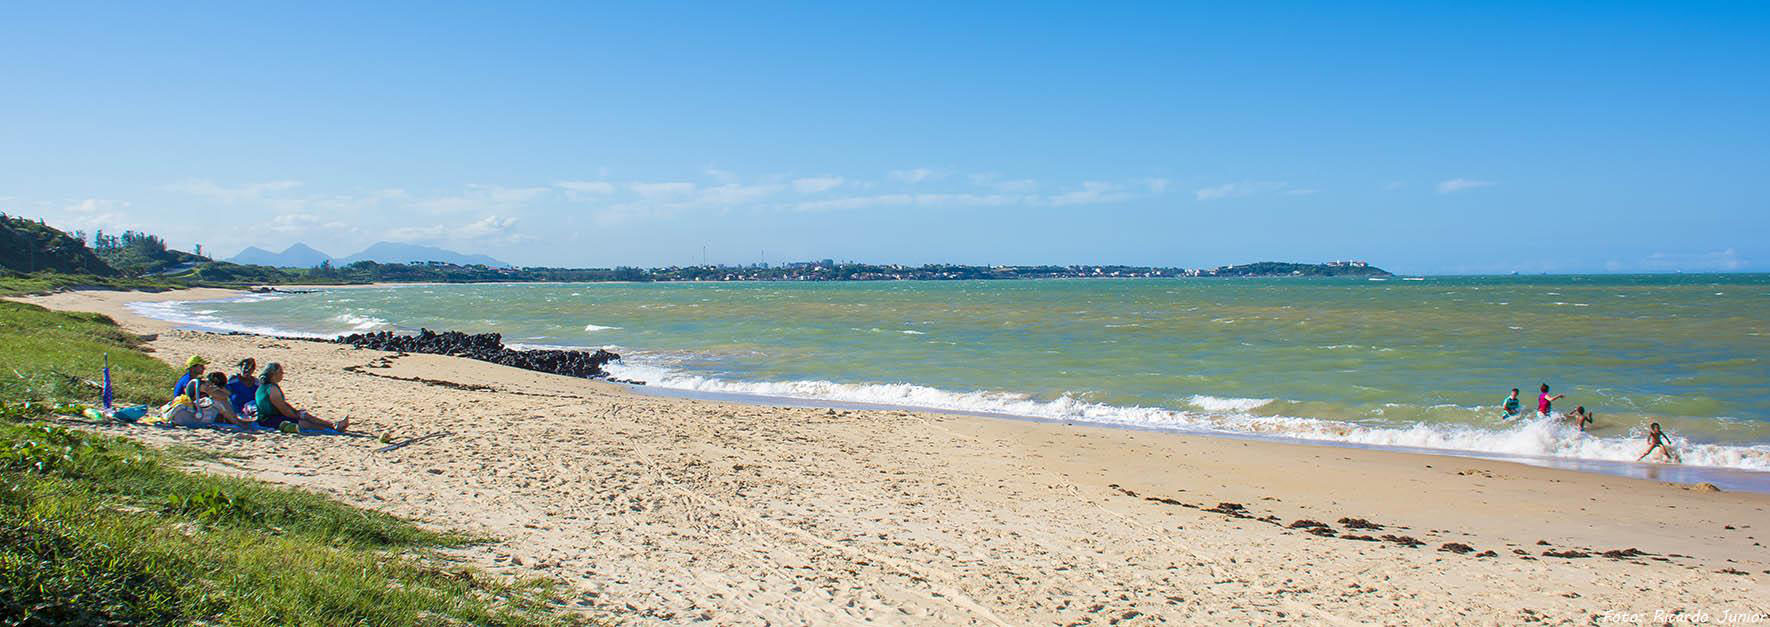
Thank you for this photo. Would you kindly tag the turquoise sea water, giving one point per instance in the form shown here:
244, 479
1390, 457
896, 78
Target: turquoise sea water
1419, 363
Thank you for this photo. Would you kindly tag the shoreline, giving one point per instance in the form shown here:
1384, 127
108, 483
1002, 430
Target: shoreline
1728, 478
741, 513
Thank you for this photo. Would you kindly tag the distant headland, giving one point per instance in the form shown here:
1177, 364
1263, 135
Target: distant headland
138, 260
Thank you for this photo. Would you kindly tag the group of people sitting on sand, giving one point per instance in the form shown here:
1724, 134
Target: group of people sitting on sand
247, 398
1656, 439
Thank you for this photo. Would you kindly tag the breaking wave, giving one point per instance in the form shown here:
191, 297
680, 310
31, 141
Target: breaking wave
1551, 438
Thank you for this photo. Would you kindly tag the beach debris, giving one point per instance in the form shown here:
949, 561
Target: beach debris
1230, 509
1306, 524
1325, 532
1457, 547
1617, 554
410, 441
1567, 554
1407, 541
1732, 571
1487, 554
1703, 487
1359, 523
1359, 538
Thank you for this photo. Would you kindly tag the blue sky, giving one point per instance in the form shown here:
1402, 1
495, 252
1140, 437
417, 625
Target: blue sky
1489, 137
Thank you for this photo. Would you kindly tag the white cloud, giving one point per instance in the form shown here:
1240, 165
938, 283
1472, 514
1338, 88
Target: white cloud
816, 184
481, 198
1091, 193
1156, 185
858, 202
1728, 259
1011, 186
94, 205
488, 228
304, 222
1243, 188
732, 194
915, 175
722, 176
1459, 184
230, 194
577, 190
661, 190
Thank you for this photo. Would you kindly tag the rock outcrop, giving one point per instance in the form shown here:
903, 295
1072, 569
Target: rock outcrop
486, 347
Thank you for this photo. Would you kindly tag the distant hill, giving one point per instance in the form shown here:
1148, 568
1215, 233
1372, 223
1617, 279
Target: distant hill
297, 255
28, 246
390, 252
1278, 269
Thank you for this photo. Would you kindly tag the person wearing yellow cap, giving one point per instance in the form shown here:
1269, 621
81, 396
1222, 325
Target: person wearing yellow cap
193, 371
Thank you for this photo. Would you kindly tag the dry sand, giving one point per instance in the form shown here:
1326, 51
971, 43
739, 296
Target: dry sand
665, 509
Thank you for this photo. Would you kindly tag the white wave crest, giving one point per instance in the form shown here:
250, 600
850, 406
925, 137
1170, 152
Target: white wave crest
1212, 403
1532, 438
359, 323
174, 311
592, 328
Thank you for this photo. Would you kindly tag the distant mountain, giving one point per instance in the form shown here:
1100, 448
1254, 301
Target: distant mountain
295, 256
390, 252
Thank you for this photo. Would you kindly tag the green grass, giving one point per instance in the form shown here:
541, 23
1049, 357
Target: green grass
12, 284
60, 355
97, 529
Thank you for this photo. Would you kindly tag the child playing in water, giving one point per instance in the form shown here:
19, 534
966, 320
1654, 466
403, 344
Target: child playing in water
1511, 406
1544, 402
1656, 439
1580, 417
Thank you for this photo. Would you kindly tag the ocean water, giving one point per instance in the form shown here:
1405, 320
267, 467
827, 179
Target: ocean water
1421, 363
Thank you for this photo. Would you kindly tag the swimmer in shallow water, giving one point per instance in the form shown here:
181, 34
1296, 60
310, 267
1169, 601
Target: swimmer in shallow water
1580, 417
1656, 439
1510, 407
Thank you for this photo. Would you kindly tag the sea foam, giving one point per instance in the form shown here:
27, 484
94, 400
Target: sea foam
1549, 438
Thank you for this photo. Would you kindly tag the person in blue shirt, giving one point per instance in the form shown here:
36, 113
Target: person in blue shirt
242, 388
193, 371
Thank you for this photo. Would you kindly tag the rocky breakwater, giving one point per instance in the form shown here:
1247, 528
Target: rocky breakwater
486, 347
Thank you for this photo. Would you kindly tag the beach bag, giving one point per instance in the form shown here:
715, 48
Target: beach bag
182, 412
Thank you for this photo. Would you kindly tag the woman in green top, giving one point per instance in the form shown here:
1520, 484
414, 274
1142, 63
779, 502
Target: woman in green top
274, 411
1511, 407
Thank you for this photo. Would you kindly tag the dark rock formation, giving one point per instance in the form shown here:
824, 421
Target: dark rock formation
486, 347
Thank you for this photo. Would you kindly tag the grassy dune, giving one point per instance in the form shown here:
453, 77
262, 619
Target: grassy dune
99, 529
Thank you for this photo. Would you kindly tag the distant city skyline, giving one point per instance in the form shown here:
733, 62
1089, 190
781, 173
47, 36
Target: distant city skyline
1467, 139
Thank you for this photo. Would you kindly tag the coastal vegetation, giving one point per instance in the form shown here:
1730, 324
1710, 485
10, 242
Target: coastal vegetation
39, 258
97, 529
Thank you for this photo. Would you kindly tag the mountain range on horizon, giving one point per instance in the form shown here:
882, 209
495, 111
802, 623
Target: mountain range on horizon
300, 255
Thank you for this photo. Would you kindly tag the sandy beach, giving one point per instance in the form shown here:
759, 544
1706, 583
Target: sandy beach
674, 510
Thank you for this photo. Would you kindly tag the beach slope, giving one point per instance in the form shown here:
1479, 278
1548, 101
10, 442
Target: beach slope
672, 509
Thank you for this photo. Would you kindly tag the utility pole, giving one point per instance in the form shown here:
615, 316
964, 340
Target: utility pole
703, 254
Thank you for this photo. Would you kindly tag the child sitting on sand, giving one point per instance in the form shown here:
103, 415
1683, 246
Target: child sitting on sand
274, 411
1656, 439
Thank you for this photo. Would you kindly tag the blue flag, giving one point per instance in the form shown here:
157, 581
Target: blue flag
107, 380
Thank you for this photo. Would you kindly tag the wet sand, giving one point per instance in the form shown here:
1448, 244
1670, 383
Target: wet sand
674, 509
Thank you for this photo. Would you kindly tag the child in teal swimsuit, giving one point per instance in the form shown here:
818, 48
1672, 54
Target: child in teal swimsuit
1511, 407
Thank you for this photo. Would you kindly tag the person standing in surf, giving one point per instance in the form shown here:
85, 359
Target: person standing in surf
1511, 406
1656, 439
1544, 402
